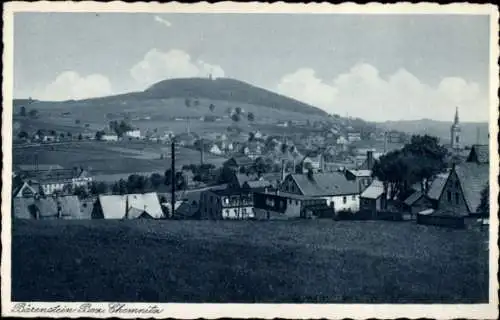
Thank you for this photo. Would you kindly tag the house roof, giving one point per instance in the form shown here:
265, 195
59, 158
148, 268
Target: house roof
19, 188
26, 208
242, 178
325, 184
473, 178
113, 206
374, 190
413, 198
479, 153
242, 160
437, 185
257, 184
360, 173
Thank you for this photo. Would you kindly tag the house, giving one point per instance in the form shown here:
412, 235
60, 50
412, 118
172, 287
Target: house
372, 198
253, 150
50, 181
353, 136
417, 202
215, 149
238, 162
479, 154
39, 207
109, 136
23, 189
333, 187
50, 138
226, 204
314, 163
129, 206
136, 134
362, 177
342, 140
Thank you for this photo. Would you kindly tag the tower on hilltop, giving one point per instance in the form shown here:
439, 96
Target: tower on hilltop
455, 133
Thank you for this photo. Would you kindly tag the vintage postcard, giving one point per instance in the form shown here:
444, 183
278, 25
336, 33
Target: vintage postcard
249, 160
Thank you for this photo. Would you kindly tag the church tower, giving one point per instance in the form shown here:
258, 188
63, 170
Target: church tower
455, 133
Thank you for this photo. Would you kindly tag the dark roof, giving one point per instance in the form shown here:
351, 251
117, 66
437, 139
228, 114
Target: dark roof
47, 207
325, 184
473, 178
437, 185
414, 197
242, 160
257, 184
479, 153
242, 178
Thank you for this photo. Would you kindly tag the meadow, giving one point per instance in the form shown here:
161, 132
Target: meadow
247, 261
111, 157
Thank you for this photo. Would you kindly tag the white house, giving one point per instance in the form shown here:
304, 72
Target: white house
226, 204
214, 149
109, 137
338, 191
133, 133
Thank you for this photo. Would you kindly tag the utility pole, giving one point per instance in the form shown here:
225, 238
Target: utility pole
173, 175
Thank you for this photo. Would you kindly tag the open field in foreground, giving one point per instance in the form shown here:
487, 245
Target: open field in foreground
224, 261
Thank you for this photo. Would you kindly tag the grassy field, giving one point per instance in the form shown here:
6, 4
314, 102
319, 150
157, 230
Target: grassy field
119, 157
223, 261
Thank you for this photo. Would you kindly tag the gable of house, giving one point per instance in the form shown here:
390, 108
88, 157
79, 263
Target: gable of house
452, 197
473, 179
290, 185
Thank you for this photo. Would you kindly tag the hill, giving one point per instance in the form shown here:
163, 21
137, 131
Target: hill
162, 106
221, 89
440, 129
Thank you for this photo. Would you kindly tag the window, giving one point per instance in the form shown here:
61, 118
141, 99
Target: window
449, 196
457, 139
457, 185
297, 202
344, 200
457, 198
353, 197
244, 210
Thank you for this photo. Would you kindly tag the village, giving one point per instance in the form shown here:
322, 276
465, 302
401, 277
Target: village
323, 174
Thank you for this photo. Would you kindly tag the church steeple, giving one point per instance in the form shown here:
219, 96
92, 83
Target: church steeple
455, 132
457, 120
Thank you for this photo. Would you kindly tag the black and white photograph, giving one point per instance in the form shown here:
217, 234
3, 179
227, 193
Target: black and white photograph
280, 156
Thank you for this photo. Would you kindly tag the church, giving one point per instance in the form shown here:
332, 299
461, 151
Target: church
455, 131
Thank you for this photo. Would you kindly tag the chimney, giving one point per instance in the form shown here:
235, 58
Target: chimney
369, 159
283, 169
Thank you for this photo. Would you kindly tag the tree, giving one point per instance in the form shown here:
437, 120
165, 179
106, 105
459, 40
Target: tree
156, 180
484, 205
80, 192
23, 135
87, 125
168, 177
77, 121
236, 117
180, 181
250, 116
97, 188
62, 135
418, 161
136, 183
69, 135
22, 113
122, 186
238, 110
99, 135
211, 107
33, 113
68, 189
80, 137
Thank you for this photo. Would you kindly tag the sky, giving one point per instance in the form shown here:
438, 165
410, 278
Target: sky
376, 67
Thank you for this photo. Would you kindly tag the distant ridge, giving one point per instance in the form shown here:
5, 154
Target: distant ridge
223, 89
